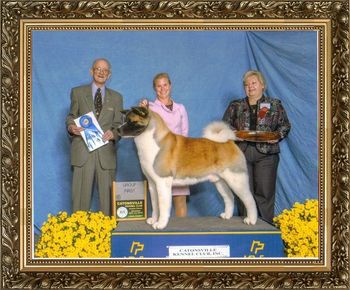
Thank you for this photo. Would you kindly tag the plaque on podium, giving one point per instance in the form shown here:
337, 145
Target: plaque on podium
129, 200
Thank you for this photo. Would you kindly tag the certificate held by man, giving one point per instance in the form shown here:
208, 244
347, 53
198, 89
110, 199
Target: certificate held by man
92, 133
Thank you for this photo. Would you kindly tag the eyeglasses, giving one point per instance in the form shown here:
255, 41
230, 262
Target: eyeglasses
101, 70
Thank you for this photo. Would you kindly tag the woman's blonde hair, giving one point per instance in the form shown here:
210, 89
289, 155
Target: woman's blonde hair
160, 76
256, 73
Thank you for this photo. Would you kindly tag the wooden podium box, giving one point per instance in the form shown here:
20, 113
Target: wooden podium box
197, 238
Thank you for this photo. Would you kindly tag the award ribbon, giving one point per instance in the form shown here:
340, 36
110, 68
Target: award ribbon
92, 134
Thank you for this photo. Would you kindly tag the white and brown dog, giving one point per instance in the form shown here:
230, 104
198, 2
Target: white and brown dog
168, 159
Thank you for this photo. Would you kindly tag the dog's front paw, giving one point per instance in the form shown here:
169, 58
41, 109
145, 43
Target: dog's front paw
151, 221
159, 225
249, 221
225, 216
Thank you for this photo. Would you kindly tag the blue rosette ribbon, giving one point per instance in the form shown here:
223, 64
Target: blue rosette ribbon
92, 134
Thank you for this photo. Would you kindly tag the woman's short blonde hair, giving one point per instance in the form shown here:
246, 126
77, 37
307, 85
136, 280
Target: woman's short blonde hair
256, 73
161, 76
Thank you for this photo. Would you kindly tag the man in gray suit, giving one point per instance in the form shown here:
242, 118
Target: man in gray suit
100, 164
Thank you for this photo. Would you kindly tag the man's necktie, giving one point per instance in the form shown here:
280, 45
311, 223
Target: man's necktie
98, 102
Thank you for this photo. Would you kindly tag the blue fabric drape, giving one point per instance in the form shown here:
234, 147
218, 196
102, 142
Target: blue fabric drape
293, 64
206, 69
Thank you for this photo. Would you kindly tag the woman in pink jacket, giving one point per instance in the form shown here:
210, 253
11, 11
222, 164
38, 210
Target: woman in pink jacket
176, 118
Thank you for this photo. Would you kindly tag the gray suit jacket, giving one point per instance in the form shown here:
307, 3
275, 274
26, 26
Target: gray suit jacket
110, 118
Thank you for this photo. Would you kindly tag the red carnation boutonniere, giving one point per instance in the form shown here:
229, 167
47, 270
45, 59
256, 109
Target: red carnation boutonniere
262, 112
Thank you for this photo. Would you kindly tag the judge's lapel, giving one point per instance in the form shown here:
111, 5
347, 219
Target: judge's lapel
87, 94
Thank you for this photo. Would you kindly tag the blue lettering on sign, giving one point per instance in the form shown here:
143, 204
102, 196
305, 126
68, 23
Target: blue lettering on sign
129, 190
129, 184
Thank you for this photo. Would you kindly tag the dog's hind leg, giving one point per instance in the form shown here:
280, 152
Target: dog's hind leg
228, 198
164, 201
239, 183
154, 201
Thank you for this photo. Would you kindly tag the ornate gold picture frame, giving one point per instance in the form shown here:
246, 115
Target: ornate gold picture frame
19, 267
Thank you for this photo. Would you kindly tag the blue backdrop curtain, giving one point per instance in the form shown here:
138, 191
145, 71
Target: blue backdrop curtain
206, 69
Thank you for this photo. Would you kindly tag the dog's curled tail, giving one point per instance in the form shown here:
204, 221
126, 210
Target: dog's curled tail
219, 131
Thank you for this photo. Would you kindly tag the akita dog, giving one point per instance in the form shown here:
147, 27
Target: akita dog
168, 159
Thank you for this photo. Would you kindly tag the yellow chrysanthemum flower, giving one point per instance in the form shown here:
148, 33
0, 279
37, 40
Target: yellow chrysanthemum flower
299, 229
81, 235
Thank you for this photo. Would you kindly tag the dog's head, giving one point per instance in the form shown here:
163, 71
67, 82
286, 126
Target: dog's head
135, 121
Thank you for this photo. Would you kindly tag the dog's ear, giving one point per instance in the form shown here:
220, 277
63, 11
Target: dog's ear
141, 111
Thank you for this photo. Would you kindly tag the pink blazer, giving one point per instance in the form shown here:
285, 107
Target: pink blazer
176, 120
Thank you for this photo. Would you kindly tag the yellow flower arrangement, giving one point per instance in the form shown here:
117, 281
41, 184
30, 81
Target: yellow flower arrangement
81, 235
299, 229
